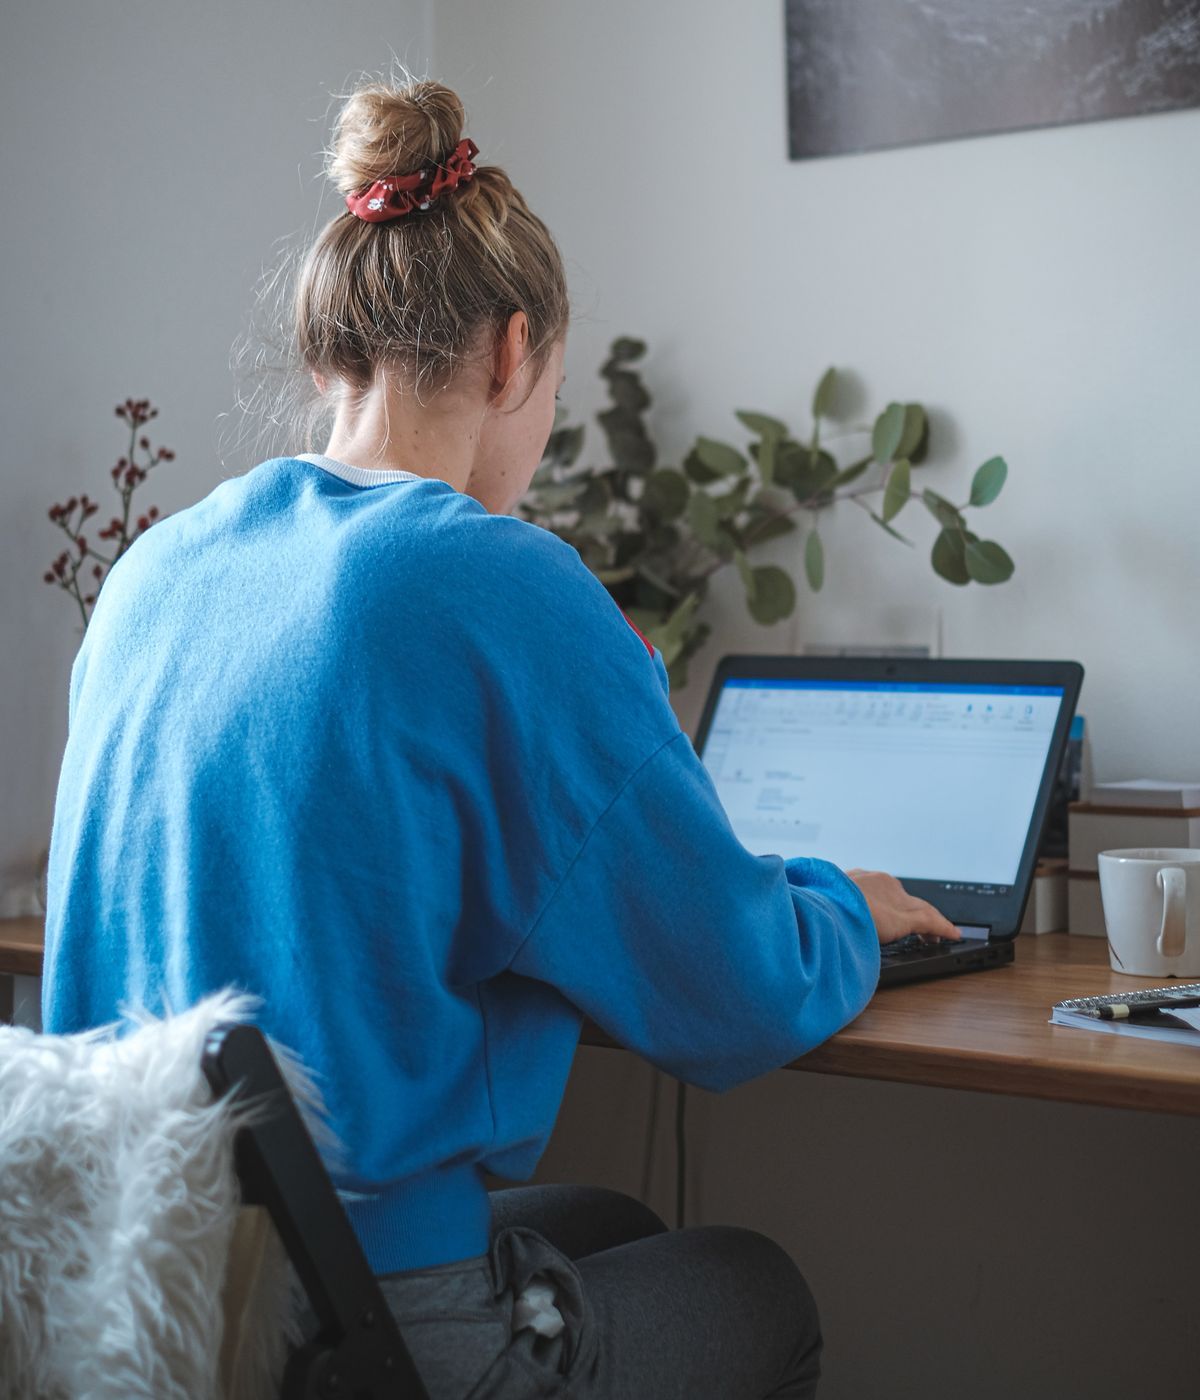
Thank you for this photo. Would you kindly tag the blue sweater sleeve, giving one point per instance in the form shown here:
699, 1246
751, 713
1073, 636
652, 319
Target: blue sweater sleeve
715, 964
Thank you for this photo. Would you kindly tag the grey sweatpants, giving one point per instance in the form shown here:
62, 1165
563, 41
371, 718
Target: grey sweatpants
707, 1313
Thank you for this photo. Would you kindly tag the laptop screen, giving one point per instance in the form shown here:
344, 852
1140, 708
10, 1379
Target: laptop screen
925, 781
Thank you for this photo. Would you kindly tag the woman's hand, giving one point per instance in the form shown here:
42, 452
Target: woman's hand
895, 911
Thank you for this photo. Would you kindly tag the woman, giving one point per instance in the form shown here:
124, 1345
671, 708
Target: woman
347, 735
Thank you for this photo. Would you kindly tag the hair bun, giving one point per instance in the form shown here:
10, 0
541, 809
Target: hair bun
384, 130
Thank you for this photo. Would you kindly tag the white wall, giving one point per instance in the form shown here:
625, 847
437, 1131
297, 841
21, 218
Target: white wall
152, 156
1040, 293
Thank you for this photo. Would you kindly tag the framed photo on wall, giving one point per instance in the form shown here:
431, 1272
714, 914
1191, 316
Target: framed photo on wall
864, 75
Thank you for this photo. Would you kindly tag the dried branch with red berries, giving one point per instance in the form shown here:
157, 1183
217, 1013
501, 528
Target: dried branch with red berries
82, 567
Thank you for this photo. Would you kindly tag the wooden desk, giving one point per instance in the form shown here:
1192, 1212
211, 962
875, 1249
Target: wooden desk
986, 1031
990, 1031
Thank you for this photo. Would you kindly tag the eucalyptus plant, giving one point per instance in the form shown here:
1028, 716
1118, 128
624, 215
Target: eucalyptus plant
654, 535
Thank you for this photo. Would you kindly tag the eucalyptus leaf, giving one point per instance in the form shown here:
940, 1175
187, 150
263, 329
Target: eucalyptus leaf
627, 390
916, 429
601, 523
728, 541
949, 517
987, 562
814, 561
645, 618
988, 481
596, 498
703, 517
733, 502
949, 557
899, 488
765, 457
774, 595
628, 548
790, 460
626, 348
559, 495
886, 435
766, 427
822, 404
696, 469
720, 457
670, 636
565, 445
631, 449
816, 476
666, 494
770, 529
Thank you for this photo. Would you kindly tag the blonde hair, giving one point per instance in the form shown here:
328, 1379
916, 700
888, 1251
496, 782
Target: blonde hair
417, 293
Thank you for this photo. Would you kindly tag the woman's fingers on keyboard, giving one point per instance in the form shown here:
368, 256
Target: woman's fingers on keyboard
896, 912
926, 919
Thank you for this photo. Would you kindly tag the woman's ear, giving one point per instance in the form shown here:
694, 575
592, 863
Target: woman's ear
512, 350
320, 382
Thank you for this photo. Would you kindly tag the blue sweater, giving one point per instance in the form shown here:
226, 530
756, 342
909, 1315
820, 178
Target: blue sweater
401, 768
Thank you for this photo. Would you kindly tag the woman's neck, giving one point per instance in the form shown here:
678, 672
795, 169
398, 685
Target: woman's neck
386, 429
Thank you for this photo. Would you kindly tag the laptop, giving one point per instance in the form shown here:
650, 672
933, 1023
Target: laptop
938, 772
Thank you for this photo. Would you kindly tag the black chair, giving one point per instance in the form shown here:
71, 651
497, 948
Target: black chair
357, 1352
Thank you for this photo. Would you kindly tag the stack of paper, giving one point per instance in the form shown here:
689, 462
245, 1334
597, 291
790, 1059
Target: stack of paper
1179, 1027
1147, 792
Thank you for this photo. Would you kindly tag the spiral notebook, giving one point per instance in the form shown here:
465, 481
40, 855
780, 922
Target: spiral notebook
1178, 1027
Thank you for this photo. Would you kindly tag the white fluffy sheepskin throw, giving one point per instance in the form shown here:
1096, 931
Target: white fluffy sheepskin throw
117, 1204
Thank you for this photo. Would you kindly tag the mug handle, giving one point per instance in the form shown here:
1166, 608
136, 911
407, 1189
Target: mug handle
1172, 880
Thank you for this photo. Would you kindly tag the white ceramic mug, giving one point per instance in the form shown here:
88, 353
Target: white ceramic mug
1151, 901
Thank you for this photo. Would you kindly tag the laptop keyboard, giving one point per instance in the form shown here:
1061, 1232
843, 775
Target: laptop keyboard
914, 945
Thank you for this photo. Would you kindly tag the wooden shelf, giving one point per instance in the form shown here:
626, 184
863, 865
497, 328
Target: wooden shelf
21, 944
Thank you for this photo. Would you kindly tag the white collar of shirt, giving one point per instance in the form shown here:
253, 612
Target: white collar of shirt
356, 476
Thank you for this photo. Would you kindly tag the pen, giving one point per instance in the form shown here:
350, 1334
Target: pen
1135, 1011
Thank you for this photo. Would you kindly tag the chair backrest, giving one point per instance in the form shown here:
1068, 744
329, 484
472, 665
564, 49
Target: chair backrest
357, 1352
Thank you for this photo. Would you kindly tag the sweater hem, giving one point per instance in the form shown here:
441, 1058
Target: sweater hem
437, 1218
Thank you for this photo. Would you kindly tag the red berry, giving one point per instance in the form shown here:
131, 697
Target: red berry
48, 577
97, 571
143, 522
